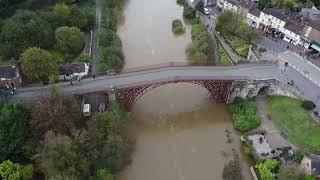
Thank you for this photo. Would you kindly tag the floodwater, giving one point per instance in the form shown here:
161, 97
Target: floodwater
179, 134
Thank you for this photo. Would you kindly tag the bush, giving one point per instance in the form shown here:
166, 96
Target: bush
244, 115
308, 105
113, 57
298, 155
194, 54
177, 27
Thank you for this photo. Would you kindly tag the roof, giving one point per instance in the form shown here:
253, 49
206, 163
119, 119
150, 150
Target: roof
255, 12
68, 69
8, 72
314, 24
276, 12
242, 3
313, 14
293, 27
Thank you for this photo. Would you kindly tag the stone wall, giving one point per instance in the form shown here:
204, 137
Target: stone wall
250, 88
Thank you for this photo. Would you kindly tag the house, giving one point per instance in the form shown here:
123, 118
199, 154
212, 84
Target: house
292, 33
69, 71
253, 17
10, 74
310, 166
238, 6
273, 18
311, 32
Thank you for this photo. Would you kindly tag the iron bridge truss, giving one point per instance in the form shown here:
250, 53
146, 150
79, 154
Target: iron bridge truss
218, 91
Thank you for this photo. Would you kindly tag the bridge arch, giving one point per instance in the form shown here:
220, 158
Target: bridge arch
218, 90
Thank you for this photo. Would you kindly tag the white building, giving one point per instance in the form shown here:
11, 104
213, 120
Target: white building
310, 166
73, 70
274, 18
292, 33
230, 5
253, 17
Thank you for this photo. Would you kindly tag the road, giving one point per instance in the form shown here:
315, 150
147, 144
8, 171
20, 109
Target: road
244, 71
95, 40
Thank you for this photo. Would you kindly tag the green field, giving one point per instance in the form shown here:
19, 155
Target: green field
239, 45
295, 122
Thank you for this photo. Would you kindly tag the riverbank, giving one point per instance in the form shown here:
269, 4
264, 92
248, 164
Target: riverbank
111, 57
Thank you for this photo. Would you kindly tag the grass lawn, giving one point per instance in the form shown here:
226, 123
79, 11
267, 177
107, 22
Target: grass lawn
224, 59
295, 122
240, 46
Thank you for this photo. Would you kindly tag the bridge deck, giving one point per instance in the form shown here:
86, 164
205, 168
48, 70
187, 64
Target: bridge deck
239, 72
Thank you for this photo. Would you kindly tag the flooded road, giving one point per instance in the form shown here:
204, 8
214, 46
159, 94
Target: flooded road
179, 134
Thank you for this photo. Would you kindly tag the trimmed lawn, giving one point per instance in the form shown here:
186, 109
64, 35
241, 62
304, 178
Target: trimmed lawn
295, 122
239, 45
224, 59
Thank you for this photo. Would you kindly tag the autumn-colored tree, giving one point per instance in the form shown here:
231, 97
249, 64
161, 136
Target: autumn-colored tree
56, 112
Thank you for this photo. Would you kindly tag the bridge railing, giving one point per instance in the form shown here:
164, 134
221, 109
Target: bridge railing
179, 64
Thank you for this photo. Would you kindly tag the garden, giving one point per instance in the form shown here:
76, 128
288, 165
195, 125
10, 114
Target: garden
239, 45
295, 121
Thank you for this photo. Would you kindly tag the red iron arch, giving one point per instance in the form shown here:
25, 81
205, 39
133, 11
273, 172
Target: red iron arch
218, 90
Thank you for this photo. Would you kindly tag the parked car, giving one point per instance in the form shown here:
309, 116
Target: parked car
206, 11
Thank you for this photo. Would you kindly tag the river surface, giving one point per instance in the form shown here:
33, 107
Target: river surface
179, 134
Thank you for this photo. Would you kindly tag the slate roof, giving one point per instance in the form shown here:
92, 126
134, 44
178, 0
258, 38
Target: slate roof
297, 29
276, 12
8, 72
255, 12
315, 24
68, 69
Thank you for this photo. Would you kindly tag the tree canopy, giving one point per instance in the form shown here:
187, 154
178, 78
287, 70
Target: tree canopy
37, 64
10, 170
24, 29
14, 131
267, 169
60, 111
70, 40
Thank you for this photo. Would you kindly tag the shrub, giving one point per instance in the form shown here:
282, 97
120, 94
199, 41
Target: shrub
299, 155
177, 27
194, 54
244, 115
308, 105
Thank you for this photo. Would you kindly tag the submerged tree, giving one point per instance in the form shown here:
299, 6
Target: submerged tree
232, 170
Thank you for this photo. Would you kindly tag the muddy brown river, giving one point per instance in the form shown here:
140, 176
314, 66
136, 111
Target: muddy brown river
179, 134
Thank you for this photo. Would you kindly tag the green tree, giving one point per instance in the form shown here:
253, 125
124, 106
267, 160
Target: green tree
37, 64
10, 170
60, 157
14, 131
109, 38
77, 17
102, 174
264, 4
62, 13
69, 39
25, 29
189, 13
27, 172
289, 171
114, 58
267, 168
227, 22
